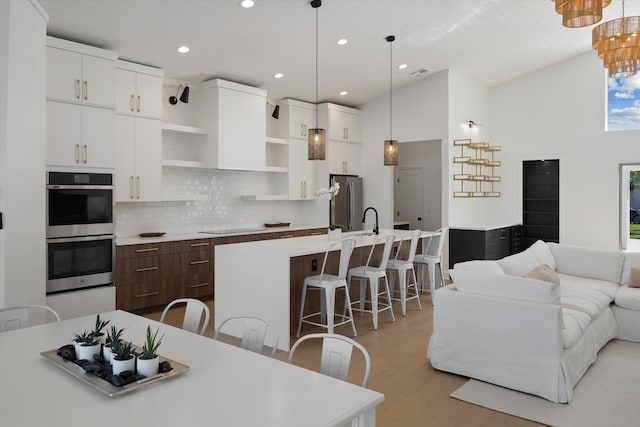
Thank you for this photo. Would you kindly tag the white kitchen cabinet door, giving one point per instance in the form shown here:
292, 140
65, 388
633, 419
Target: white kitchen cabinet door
344, 126
138, 155
64, 75
302, 172
64, 134
98, 137
125, 91
98, 76
344, 157
301, 120
148, 95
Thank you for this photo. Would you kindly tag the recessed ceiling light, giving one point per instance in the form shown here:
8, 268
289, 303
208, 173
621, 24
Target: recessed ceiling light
343, 93
342, 42
278, 75
402, 66
247, 3
183, 49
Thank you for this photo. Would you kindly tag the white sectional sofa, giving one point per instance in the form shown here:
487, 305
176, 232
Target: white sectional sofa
536, 336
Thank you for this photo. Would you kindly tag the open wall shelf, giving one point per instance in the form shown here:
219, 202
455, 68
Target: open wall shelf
540, 201
476, 165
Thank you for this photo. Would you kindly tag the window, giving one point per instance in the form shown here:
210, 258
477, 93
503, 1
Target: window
630, 207
623, 103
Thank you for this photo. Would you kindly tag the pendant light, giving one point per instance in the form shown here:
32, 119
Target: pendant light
317, 136
580, 13
618, 45
391, 145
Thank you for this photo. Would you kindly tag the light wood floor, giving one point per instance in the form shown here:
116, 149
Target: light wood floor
415, 393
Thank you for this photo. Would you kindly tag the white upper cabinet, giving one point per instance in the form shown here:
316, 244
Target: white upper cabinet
342, 123
138, 90
80, 74
296, 118
234, 116
302, 172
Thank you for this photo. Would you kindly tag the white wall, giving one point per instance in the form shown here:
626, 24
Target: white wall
559, 112
22, 152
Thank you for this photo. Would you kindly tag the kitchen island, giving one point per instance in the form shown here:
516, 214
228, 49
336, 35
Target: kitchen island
265, 278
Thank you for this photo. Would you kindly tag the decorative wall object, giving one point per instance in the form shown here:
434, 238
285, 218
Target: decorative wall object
476, 166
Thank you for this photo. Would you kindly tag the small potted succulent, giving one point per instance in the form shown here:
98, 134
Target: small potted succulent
122, 357
113, 335
86, 345
148, 361
97, 329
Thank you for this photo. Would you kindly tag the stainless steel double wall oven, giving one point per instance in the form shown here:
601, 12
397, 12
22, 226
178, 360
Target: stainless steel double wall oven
80, 231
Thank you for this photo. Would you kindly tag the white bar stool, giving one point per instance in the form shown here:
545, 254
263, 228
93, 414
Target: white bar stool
373, 275
328, 284
401, 267
431, 257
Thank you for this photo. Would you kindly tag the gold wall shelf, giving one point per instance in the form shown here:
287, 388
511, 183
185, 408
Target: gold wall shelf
476, 167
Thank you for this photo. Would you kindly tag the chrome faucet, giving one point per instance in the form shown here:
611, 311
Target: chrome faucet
364, 215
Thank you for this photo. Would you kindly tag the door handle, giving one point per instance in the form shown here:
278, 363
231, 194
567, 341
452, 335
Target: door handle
86, 153
419, 218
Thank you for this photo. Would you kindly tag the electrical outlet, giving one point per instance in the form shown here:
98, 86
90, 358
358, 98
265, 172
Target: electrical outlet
314, 265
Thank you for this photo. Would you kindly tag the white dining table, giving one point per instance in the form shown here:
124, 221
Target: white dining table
225, 385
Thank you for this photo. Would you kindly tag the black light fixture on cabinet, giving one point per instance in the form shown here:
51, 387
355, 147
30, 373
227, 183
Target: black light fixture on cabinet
276, 112
317, 136
184, 98
391, 145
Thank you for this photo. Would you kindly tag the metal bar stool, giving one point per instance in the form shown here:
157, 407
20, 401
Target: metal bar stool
431, 257
401, 267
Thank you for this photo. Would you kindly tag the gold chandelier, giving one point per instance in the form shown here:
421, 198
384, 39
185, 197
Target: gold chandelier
580, 13
617, 44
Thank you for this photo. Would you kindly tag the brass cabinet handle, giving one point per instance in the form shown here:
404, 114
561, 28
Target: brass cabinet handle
139, 103
193, 245
286, 236
199, 285
316, 233
147, 250
86, 153
131, 188
131, 103
138, 187
204, 261
77, 89
77, 153
148, 294
301, 188
86, 90
304, 194
140, 270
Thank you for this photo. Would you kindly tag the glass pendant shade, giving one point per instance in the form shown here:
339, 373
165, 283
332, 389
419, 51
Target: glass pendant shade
618, 45
317, 144
580, 13
391, 152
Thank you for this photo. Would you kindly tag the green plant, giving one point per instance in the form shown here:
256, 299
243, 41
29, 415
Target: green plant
334, 226
122, 350
151, 344
85, 339
113, 335
100, 325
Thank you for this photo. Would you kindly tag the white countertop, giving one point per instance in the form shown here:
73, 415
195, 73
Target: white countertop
482, 227
207, 234
306, 245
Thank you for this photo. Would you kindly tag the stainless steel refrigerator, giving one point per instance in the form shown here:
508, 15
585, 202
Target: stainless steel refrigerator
348, 202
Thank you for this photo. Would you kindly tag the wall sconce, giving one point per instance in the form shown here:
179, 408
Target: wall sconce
184, 98
472, 124
276, 109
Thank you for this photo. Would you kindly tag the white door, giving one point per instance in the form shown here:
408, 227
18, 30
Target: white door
125, 165
99, 81
148, 157
98, 136
64, 134
149, 95
408, 191
64, 75
125, 91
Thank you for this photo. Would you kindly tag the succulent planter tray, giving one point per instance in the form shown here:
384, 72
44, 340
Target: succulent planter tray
105, 386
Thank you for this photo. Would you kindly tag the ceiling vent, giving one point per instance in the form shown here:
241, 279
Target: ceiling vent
419, 72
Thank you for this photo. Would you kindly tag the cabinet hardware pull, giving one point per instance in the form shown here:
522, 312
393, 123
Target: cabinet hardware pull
139, 103
131, 188
148, 294
316, 233
86, 153
305, 189
302, 189
140, 270
77, 153
131, 103
286, 236
193, 245
204, 261
77, 89
86, 90
147, 250
199, 285
138, 187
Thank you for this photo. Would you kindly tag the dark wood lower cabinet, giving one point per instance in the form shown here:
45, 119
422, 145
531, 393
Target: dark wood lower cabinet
468, 244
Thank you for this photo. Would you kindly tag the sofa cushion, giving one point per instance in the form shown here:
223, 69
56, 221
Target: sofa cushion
634, 278
543, 254
631, 260
544, 272
503, 286
481, 266
575, 323
628, 298
570, 284
519, 264
588, 262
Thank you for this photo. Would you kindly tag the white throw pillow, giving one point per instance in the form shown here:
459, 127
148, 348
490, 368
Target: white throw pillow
482, 266
543, 254
588, 262
631, 260
519, 264
519, 288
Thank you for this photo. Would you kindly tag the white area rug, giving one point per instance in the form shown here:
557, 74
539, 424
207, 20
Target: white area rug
608, 395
